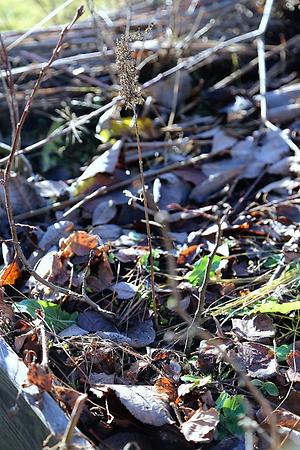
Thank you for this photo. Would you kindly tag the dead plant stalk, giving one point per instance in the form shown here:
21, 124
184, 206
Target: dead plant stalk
148, 229
131, 94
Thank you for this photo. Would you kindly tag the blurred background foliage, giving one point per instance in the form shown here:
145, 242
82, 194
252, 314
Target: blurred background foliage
21, 15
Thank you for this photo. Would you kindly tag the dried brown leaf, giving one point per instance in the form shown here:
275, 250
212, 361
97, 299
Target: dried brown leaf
201, 426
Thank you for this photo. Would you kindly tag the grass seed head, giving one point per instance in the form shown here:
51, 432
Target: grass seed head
130, 90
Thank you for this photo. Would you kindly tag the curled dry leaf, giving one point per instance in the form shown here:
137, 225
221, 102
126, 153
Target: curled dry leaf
143, 402
187, 255
288, 425
293, 372
210, 352
67, 396
201, 426
79, 243
51, 238
103, 277
40, 376
52, 267
105, 163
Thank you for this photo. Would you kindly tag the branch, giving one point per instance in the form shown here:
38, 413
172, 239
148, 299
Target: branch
7, 176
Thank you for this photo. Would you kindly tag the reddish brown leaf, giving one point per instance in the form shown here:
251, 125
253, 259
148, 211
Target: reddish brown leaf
166, 386
40, 376
187, 255
293, 360
79, 243
67, 396
10, 274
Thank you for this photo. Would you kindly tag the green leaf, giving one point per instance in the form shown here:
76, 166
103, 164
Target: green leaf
266, 387
55, 317
144, 260
275, 307
231, 409
282, 352
221, 400
272, 261
196, 276
257, 383
198, 381
270, 388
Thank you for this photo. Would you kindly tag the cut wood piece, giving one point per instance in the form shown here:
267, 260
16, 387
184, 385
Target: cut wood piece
27, 417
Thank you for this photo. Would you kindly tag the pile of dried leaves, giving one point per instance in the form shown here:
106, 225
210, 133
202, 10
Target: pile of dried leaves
223, 198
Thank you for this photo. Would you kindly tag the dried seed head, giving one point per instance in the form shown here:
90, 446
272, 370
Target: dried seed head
130, 90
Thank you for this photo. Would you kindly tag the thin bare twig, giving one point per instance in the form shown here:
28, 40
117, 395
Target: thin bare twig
197, 319
9, 88
162, 217
7, 175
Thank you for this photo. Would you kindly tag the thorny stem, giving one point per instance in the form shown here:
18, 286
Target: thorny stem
7, 175
148, 230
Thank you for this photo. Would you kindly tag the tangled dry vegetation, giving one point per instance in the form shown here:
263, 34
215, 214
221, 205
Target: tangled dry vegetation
149, 207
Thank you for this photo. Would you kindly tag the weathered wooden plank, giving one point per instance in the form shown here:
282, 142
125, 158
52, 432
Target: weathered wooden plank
27, 417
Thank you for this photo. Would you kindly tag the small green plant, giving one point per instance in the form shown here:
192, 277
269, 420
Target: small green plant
197, 380
266, 387
272, 261
196, 276
55, 317
282, 352
145, 263
232, 408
